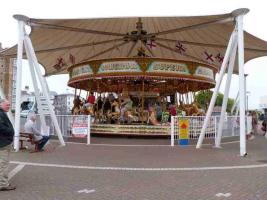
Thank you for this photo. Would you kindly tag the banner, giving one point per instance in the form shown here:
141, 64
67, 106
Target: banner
81, 70
79, 127
204, 72
168, 67
119, 66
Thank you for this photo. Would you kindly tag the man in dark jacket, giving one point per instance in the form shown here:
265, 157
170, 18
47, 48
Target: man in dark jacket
6, 138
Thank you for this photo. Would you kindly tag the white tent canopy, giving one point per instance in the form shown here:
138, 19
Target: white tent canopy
60, 43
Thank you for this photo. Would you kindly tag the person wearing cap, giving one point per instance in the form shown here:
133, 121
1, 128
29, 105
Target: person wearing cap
30, 127
6, 138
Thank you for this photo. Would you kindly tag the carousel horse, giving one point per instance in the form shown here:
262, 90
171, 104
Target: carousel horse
153, 117
130, 116
76, 109
87, 110
114, 115
190, 109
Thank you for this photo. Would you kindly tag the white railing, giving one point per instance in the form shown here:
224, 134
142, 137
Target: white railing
70, 125
195, 123
80, 126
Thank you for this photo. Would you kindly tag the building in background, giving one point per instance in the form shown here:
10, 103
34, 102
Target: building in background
8, 67
63, 103
29, 102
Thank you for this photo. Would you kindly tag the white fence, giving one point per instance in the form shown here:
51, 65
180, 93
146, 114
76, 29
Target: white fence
80, 126
70, 125
195, 123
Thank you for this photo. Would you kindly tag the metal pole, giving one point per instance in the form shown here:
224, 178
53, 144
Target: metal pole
88, 129
235, 103
44, 89
226, 94
216, 90
172, 131
215, 130
21, 25
143, 93
241, 85
36, 89
247, 101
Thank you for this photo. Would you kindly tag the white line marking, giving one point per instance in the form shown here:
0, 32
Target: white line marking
140, 169
86, 191
143, 145
223, 195
132, 145
15, 171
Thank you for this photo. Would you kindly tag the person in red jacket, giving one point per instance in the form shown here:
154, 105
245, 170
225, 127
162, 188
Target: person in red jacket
90, 101
173, 110
91, 98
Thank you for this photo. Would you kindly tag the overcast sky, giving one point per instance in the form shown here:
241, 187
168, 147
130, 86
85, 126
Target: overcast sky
254, 23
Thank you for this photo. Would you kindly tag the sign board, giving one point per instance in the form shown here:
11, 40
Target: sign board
119, 66
81, 70
183, 131
204, 72
79, 129
168, 67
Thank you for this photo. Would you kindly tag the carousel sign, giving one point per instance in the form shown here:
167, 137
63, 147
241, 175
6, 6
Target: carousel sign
119, 66
81, 70
168, 67
204, 72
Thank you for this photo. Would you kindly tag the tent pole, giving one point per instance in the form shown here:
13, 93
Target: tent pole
44, 89
226, 94
21, 25
216, 90
241, 85
35, 86
235, 103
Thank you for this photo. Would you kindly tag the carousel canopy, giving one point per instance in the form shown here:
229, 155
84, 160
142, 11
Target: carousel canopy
61, 43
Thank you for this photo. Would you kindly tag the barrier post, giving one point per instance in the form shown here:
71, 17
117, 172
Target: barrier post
172, 131
88, 129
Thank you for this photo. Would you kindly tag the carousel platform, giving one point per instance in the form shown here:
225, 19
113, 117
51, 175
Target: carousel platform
130, 129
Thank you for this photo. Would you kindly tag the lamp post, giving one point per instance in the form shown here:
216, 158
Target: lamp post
246, 97
247, 94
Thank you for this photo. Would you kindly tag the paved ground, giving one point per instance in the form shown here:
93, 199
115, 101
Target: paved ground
102, 172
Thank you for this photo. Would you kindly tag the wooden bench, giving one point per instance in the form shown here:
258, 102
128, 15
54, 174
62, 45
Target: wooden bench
27, 137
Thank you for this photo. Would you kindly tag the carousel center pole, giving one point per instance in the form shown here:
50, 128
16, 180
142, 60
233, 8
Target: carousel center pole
143, 93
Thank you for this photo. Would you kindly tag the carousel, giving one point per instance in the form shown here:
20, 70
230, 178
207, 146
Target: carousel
144, 66
138, 93
145, 84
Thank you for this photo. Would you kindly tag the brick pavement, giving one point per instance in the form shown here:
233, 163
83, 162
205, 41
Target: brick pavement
39, 182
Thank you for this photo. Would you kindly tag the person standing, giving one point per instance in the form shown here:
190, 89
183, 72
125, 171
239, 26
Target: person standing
6, 138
